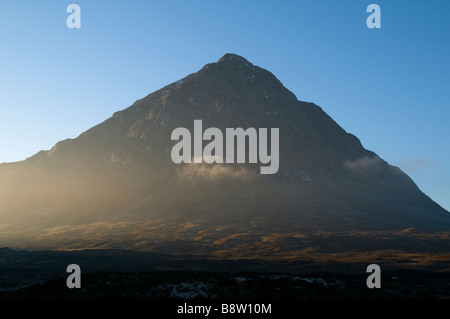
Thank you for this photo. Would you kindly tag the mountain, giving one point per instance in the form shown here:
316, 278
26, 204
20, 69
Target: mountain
116, 186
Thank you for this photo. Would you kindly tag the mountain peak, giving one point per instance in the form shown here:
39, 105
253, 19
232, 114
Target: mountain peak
231, 58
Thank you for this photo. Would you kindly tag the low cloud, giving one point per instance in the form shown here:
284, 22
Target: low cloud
415, 164
363, 163
215, 171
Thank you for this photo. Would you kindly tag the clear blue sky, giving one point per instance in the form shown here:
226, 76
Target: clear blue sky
390, 86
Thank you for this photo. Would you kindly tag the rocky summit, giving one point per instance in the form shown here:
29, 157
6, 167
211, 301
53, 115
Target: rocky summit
116, 186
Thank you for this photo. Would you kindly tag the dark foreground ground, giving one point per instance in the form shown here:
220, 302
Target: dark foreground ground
136, 275
189, 285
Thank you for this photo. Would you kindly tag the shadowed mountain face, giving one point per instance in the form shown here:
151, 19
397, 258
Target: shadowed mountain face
115, 186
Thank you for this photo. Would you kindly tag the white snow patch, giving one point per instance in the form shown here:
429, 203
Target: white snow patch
251, 78
187, 290
315, 281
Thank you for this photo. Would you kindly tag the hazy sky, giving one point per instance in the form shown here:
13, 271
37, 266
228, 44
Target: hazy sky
389, 86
